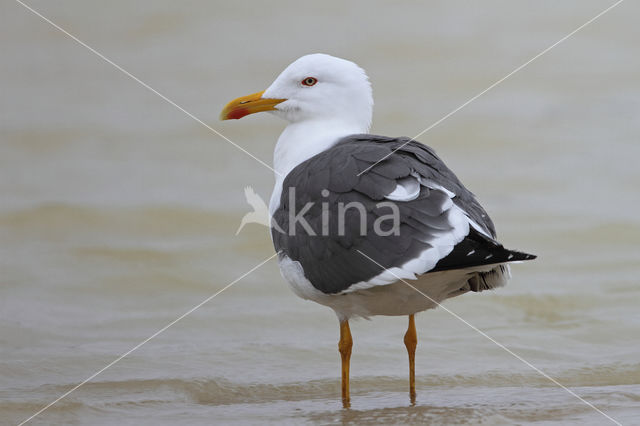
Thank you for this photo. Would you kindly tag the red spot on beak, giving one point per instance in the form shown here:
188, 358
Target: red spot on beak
238, 113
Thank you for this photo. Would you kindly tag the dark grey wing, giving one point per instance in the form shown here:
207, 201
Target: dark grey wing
329, 216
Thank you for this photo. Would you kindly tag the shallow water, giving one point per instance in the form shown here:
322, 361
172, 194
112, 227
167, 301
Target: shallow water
118, 214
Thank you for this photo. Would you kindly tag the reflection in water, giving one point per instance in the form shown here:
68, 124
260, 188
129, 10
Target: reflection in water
380, 400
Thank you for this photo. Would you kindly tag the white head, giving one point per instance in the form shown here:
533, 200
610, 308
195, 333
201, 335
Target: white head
314, 87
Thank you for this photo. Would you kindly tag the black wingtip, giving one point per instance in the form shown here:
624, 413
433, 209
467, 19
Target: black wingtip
478, 250
518, 256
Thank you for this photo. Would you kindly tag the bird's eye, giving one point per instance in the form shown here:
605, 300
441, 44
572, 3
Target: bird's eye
309, 81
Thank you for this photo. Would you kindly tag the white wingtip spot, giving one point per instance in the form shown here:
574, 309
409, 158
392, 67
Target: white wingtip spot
471, 252
488, 256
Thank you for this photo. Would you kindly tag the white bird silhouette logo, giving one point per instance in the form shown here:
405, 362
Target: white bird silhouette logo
260, 213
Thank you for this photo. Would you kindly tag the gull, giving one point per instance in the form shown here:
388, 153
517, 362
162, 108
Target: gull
356, 217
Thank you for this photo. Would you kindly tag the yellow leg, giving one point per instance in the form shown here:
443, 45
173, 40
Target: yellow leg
344, 346
411, 341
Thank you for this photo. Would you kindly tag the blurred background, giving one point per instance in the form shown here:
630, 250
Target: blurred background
118, 212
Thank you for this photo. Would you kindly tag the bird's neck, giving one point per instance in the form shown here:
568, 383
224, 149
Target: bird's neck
302, 140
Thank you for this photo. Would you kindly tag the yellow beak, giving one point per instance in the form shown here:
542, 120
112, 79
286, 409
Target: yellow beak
246, 105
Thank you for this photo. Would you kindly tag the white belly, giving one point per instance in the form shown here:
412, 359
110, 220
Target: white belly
391, 299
